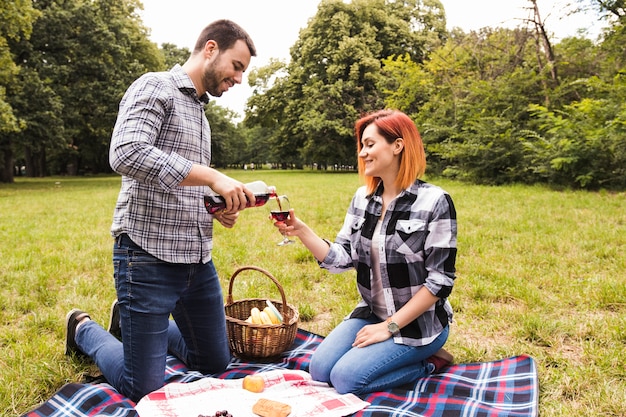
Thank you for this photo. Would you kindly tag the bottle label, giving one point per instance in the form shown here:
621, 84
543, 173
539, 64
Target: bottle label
214, 202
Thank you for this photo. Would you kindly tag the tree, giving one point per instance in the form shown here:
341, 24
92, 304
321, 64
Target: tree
468, 99
86, 52
609, 8
584, 145
227, 140
263, 123
174, 55
581, 141
40, 110
545, 53
17, 20
333, 75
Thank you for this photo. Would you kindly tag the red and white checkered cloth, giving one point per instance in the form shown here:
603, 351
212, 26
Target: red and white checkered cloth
306, 397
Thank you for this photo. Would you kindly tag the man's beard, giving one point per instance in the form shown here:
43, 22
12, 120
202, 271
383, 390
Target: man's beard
212, 81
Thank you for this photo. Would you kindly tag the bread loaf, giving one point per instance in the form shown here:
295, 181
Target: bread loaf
270, 408
254, 383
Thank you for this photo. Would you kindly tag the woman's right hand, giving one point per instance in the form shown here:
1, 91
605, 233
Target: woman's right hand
290, 226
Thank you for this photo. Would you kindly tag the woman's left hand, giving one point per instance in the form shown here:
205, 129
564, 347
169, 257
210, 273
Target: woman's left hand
370, 334
227, 220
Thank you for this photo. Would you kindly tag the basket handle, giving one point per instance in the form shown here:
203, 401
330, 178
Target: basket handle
263, 271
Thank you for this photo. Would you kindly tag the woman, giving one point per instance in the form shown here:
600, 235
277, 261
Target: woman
399, 234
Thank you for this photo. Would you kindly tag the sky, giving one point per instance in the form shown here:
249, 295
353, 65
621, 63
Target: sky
274, 25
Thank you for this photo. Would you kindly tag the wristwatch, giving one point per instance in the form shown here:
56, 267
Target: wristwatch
392, 326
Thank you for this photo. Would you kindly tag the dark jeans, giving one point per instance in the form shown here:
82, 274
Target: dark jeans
148, 291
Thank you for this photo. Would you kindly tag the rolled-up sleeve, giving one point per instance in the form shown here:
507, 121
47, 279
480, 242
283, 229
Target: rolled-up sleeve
440, 248
133, 152
340, 256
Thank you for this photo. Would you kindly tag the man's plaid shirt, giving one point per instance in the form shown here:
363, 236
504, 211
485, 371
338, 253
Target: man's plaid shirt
419, 234
160, 132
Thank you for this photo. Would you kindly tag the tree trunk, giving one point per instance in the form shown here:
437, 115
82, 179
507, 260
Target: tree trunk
8, 167
41, 163
35, 163
30, 163
544, 40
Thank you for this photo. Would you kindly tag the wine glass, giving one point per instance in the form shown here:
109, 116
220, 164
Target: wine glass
279, 211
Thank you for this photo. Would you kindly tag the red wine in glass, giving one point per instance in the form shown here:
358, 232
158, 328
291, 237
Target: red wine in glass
279, 211
280, 216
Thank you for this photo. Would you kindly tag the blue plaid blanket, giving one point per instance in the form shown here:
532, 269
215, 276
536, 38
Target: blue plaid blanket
503, 388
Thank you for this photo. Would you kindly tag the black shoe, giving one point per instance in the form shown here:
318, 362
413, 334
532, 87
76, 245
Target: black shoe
114, 322
72, 319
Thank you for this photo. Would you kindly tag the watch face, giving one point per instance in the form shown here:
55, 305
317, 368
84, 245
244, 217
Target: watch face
392, 327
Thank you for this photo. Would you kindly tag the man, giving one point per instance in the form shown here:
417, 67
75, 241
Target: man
161, 145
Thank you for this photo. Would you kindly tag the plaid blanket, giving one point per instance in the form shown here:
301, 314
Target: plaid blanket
503, 388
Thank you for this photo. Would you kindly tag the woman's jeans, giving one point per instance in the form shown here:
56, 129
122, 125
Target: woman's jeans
148, 291
376, 367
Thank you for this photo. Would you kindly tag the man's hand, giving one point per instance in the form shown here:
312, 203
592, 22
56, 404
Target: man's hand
235, 193
227, 220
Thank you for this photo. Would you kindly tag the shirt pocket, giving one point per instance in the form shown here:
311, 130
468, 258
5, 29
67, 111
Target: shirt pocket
409, 236
356, 224
356, 237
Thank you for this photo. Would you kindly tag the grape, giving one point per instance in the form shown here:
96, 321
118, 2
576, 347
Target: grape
223, 413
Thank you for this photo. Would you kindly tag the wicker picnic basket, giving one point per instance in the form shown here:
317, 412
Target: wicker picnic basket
249, 340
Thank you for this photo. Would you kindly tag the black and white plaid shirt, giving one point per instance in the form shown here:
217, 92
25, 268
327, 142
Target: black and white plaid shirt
161, 130
419, 232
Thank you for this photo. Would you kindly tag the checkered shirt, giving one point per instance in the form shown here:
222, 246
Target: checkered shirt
161, 130
418, 248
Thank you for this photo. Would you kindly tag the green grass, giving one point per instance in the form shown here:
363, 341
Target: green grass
540, 272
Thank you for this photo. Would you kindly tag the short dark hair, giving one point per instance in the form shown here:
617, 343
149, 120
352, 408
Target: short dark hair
225, 33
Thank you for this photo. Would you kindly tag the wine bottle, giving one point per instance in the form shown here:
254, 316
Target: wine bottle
262, 193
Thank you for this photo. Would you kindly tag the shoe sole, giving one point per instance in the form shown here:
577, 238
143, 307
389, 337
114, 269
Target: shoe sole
114, 316
70, 333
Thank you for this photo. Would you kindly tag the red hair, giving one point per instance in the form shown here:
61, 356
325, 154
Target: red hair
394, 124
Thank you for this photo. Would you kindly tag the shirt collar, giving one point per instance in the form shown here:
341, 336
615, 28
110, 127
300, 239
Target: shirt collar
184, 84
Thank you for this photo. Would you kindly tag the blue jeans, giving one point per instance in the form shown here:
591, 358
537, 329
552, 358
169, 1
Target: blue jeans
376, 367
148, 291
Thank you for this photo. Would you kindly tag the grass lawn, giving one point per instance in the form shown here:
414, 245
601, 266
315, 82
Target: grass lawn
539, 272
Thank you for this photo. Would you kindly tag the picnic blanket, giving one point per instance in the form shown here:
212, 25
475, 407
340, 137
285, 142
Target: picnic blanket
502, 388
